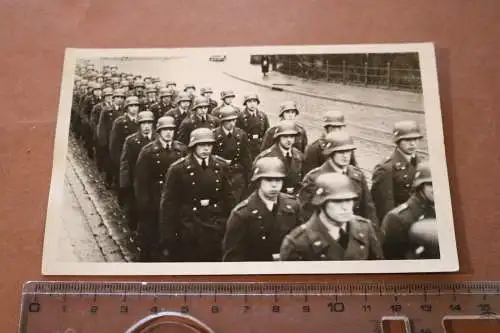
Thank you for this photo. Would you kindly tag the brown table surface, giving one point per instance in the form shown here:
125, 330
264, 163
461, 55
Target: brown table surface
33, 35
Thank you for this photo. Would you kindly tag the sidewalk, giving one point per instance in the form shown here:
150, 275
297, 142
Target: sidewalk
380, 98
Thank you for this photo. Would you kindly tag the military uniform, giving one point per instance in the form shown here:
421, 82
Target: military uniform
193, 122
293, 167
216, 110
300, 139
123, 126
195, 205
160, 109
392, 181
131, 149
255, 126
178, 115
254, 233
107, 117
151, 169
235, 149
396, 225
312, 242
363, 205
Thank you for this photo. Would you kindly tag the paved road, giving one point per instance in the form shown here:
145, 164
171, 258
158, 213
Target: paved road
94, 229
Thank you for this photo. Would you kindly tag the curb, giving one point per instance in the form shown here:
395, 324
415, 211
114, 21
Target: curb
298, 92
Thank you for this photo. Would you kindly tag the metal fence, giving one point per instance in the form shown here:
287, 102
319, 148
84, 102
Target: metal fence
341, 71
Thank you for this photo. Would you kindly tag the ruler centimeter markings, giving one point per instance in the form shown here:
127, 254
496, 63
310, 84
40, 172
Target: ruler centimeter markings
372, 307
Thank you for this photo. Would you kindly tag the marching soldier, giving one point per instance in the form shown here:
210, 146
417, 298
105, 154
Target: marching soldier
338, 150
150, 99
85, 112
180, 112
284, 137
131, 148
227, 97
171, 85
139, 87
332, 121
207, 92
333, 232
115, 82
75, 107
288, 111
190, 89
104, 126
392, 179
232, 144
254, 122
106, 104
256, 227
198, 118
164, 104
410, 230
196, 202
123, 126
152, 165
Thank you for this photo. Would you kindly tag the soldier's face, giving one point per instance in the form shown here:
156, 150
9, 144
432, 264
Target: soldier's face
97, 92
340, 211
108, 98
184, 105
228, 100
208, 94
289, 115
408, 146
83, 89
119, 100
287, 141
114, 71
189, 91
342, 158
151, 95
331, 128
133, 110
202, 111
148, 81
100, 80
229, 124
252, 104
203, 150
139, 90
428, 191
270, 187
146, 128
167, 134
171, 86
166, 99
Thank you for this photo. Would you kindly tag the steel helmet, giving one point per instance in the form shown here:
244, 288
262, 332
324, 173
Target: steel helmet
156, 80
227, 93
151, 89
250, 97
115, 79
201, 135
145, 117
333, 186
227, 113
170, 83
200, 101
288, 105
337, 141
422, 175
124, 83
119, 92
165, 122
164, 92
205, 90
268, 167
108, 91
113, 66
406, 129
97, 86
148, 78
334, 118
189, 85
139, 83
84, 82
285, 127
132, 100
183, 97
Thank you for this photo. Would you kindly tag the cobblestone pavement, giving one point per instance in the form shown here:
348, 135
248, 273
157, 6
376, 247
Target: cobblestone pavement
100, 224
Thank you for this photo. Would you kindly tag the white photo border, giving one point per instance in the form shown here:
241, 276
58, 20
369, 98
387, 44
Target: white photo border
448, 261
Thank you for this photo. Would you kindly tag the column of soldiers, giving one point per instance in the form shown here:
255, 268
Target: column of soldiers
205, 181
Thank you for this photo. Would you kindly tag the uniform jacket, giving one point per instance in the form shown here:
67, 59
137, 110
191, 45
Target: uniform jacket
96, 113
151, 170
363, 206
391, 183
255, 127
123, 126
397, 222
193, 122
105, 124
86, 106
311, 241
195, 205
235, 149
254, 233
294, 174
131, 149
177, 115
160, 109
313, 155
300, 140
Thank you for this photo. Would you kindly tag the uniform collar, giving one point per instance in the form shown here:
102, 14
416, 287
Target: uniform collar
164, 143
335, 167
283, 151
407, 157
333, 230
268, 203
226, 132
200, 160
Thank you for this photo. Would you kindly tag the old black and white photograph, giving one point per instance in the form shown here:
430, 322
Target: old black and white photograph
316, 159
